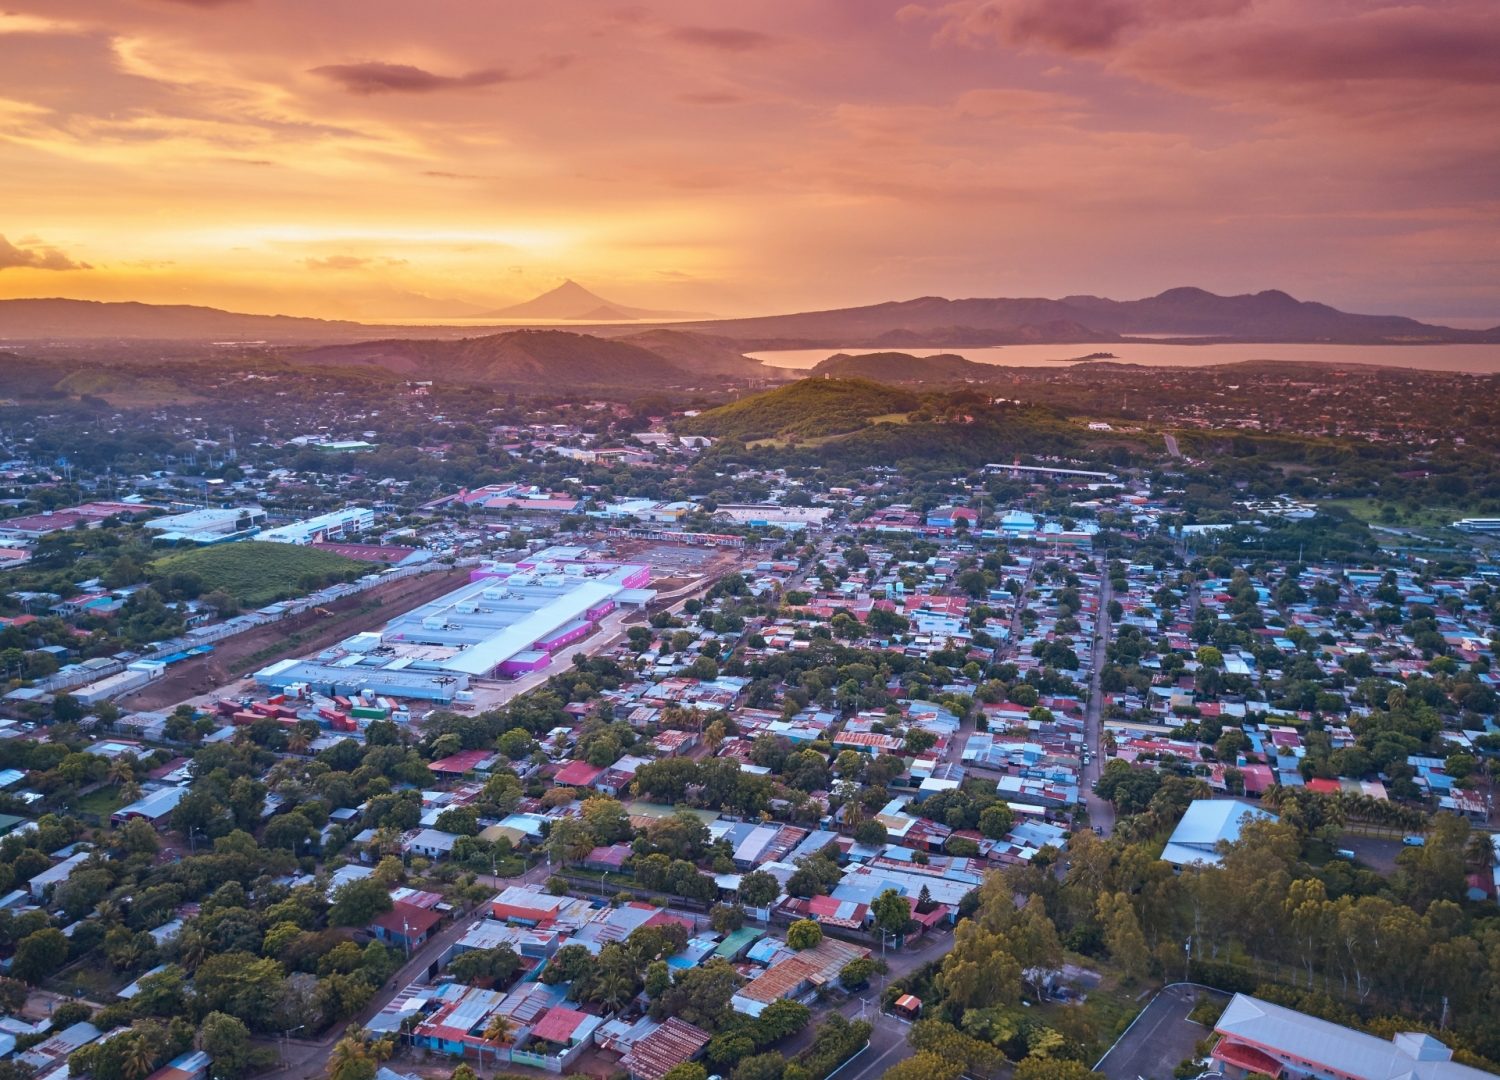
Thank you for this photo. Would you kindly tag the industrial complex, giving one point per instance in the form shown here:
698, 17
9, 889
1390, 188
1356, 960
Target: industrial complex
509, 619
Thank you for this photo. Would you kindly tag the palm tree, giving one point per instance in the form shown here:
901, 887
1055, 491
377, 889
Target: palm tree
139, 1060
297, 742
612, 988
130, 791
347, 1052
192, 948
499, 1029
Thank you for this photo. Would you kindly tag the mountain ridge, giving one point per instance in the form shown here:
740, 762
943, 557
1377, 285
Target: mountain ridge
532, 358
572, 302
1268, 316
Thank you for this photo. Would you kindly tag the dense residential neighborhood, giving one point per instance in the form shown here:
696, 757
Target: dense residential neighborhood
637, 754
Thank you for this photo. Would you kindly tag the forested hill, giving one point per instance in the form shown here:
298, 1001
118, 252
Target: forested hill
856, 421
900, 367
811, 408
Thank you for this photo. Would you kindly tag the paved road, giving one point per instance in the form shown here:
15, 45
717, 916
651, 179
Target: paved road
1101, 813
1171, 441
888, 1043
1159, 1038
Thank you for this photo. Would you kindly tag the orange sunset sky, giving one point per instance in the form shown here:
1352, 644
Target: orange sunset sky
389, 158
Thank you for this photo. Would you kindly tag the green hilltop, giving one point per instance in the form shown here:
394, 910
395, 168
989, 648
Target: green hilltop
809, 409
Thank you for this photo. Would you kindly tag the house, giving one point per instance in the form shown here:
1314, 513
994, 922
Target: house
1207, 824
577, 774
406, 926
673, 1043
56, 1048
564, 1028
608, 859
155, 808
57, 874
464, 761
1258, 1037
796, 973
431, 843
193, 1065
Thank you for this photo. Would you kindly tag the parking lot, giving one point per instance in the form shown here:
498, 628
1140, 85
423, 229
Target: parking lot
1159, 1038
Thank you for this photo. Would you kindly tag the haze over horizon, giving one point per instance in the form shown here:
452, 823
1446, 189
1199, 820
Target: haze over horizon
377, 160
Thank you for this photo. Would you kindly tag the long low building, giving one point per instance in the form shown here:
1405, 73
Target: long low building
337, 523
507, 620
1257, 1037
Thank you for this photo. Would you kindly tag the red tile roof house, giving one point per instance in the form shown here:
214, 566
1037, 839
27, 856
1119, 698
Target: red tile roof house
406, 926
674, 1043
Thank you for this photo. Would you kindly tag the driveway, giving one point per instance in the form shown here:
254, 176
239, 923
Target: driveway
1159, 1037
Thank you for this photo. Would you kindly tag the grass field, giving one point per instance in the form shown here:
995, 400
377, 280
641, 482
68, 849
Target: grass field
258, 573
1371, 511
820, 440
104, 801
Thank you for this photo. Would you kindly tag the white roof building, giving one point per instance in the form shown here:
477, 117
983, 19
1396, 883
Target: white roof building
1208, 823
1267, 1038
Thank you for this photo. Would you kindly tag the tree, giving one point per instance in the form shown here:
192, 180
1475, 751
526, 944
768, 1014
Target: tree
570, 840
804, 934
241, 985
607, 819
856, 972
891, 911
39, 954
700, 995
225, 1039
486, 967
924, 1065
1035, 944
356, 903
947, 1042
499, 1029
1210, 657
726, 918
1041, 1068
870, 832
979, 970
688, 1070
1122, 935
759, 889
769, 1066
995, 820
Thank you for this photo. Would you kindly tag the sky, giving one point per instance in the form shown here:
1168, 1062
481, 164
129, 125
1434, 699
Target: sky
395, 158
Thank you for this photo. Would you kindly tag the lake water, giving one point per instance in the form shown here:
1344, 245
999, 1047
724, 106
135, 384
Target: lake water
1477, 359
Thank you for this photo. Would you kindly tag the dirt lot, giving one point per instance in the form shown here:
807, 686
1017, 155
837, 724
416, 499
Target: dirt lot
304, 633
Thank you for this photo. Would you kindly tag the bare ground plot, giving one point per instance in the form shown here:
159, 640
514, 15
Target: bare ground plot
299, 634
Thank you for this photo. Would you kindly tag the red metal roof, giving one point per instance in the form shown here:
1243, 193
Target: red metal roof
558, 1025
576, 774
407, 920
1246, 1057
462, 761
